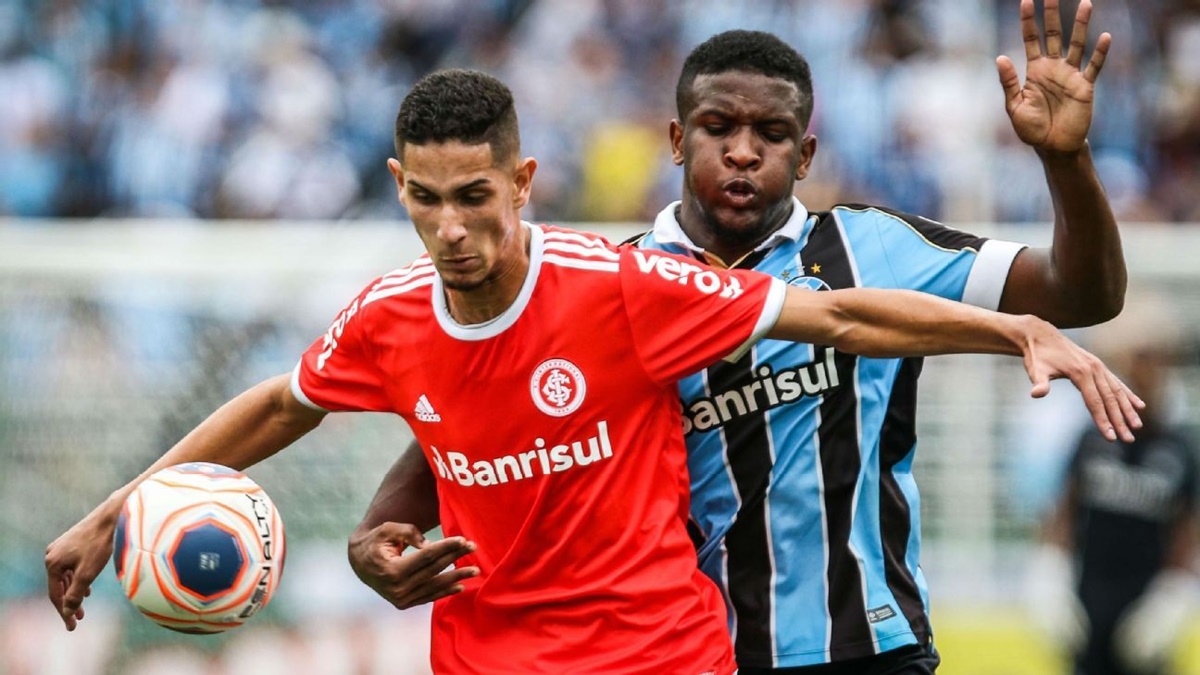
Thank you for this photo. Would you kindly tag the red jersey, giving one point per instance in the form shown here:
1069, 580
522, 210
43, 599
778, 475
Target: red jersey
554, 431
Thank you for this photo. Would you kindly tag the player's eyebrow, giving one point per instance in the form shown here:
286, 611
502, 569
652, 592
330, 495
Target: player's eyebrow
717, 109
478, 182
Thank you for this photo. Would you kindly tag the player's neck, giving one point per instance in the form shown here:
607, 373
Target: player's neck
723, 247
497, 293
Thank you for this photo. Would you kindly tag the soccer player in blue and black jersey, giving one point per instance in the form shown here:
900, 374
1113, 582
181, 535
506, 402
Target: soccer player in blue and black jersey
804, 506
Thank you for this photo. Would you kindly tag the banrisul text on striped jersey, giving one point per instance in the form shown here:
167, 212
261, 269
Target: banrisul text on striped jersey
768, 389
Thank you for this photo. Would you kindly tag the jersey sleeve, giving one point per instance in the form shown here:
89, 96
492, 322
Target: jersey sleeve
685, 315
928, 256
338, 371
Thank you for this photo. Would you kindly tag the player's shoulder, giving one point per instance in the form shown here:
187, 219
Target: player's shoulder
895, 223
412, 279
854, 212
558, 233
578, 250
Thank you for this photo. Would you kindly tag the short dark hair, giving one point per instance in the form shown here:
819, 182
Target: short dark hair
749, 51
459, 105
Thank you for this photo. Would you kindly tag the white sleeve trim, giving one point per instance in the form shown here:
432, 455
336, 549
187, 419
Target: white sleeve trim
985, 283
299, 393
772, 308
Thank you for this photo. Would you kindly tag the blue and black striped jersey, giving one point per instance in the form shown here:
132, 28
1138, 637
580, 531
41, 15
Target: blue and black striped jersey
803, 503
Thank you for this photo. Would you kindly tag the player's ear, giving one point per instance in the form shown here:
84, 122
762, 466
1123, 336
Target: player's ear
398, 173
808, 149
676, 133
523, 180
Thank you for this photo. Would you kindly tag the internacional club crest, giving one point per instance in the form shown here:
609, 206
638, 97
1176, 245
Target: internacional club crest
557, 387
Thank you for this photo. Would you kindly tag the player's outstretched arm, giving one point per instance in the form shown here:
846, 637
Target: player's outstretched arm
253, 426
894, 323
404, 506
1080, 280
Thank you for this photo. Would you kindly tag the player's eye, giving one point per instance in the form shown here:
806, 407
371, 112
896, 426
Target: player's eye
774, 135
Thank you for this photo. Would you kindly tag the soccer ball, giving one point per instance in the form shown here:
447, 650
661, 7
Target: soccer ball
199, 548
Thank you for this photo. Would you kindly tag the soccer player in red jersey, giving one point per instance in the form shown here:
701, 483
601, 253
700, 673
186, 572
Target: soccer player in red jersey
537, 368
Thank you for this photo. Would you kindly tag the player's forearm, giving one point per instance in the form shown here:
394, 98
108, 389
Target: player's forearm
248, 429
1087, 262
407, 494
893, 323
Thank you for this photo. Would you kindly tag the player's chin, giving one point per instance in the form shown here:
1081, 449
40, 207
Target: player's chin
461, 282
737, 220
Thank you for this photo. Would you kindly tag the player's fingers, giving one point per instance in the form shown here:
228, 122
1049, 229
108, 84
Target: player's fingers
1098, 56
1009, 79
427, 562
1039, 377
441, 586
1079, 33
409, 594
404, 534
1127, 399
1029, 32
56, 588
415, 601
77, 590
1137, 401
1112, 404
1095, 403
1053, 29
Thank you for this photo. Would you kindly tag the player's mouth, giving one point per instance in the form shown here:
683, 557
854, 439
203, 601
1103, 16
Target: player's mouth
457, 263
739, 192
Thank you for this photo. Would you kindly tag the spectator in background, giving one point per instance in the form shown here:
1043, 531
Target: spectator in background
1115, 576
149, 108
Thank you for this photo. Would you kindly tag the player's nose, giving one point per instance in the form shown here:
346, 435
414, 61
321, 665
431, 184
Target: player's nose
451, 227
741, 150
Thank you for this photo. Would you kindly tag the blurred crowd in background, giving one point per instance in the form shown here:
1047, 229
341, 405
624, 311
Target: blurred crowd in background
222, 109
283, 109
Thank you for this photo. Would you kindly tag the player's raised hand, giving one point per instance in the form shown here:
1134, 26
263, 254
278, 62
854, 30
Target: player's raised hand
74, 560
1051, 355
409, 579
1053, 109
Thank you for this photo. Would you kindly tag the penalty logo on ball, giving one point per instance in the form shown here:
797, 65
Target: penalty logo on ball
199, 548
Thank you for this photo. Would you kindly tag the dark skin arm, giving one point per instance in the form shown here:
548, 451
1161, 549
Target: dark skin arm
404, 507
1080, 280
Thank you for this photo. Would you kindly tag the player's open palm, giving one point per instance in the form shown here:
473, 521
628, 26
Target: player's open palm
1051, 355
73, 561
1053, 109
414, 578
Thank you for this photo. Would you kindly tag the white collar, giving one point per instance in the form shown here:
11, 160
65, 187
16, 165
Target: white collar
667, 229
500, 323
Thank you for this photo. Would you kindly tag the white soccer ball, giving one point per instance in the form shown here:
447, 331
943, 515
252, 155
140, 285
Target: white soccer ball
199, 548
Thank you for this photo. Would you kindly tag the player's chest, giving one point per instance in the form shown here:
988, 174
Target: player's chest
551, 363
